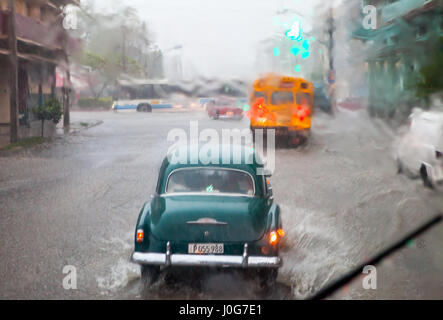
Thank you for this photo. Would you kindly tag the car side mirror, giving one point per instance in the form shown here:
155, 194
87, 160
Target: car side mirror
270, 197
269, 192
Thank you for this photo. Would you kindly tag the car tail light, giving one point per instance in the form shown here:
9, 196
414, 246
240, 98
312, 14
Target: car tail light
139, 235
280, 232
438, 154
273, 238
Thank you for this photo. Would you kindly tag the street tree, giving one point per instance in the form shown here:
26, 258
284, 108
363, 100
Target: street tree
115, 43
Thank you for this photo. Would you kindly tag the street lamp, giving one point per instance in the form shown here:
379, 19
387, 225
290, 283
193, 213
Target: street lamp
177, 61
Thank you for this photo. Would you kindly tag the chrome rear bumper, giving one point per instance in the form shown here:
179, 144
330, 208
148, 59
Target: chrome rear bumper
243, 261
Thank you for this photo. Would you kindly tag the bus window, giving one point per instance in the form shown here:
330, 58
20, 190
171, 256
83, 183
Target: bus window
303, 98
258, 95
281, 97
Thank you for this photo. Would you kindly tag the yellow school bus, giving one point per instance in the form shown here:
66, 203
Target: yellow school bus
282, 103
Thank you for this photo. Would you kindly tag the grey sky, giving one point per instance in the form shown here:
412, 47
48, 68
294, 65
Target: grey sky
218, 36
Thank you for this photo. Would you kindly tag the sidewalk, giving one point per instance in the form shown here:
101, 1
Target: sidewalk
30, 142
4, 140
351, 105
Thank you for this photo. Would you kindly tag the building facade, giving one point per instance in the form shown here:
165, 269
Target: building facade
396, 50
341, 58
42, 45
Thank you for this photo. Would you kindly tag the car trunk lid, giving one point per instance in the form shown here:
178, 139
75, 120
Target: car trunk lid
203, 218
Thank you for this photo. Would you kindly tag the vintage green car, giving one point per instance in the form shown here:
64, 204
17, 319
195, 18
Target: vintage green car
211, 215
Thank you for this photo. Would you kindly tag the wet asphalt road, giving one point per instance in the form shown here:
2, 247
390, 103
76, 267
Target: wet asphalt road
75, 202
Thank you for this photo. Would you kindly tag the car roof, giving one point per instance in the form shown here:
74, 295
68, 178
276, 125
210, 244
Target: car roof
430, 115
228, 156
428, 126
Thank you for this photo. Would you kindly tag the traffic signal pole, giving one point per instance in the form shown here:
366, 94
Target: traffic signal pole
331, 75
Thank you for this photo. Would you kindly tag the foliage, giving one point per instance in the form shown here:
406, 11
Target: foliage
432, 74
115, 43
50, 110
28, 142
102, 103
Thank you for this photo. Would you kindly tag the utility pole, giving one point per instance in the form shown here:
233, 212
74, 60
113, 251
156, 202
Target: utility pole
331, 75
330, 32
13, 73
124, 48
66, 90
66, 95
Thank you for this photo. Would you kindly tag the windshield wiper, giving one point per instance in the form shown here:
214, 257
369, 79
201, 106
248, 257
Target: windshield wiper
342, 281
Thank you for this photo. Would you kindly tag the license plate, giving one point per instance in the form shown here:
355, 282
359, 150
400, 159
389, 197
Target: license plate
229, 113
281, 132
206, 248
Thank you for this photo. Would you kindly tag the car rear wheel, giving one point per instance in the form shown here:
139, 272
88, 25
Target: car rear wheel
399, 166
296, 140
149, 274
425, 178
267, 278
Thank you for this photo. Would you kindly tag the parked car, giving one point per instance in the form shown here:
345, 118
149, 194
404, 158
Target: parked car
211, 215
224, 107
420, 150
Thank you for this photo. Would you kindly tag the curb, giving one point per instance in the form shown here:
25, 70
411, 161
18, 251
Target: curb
77, 127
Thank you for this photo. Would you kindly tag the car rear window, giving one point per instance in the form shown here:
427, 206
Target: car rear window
258, 95
210, 181
224, 102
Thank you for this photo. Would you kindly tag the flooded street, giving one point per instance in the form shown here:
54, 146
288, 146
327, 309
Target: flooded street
75, 202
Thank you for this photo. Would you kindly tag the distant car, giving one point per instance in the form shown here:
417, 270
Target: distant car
420, 150
211, 215
224, 107
205, 101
